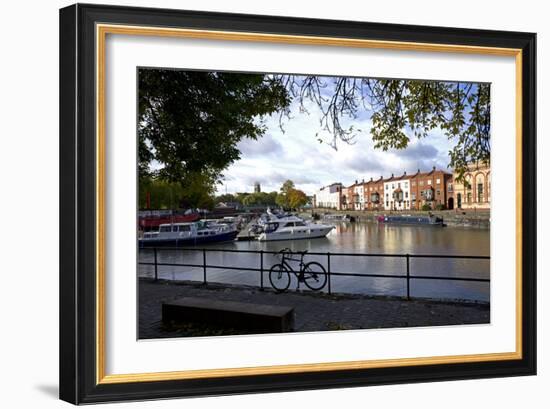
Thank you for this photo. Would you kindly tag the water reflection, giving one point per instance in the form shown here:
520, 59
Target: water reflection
370, 238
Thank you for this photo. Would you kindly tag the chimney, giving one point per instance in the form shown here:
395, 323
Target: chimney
405, 173
433, 168
356, 181
371, 179
363, 181
392, 175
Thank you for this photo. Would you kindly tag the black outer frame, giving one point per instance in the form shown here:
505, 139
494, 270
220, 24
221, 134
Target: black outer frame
78, 198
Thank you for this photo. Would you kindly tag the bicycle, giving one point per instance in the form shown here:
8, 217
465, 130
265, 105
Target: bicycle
313, 274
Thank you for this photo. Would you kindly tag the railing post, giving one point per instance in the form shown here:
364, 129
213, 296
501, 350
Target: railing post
156, 267
204, 265
261, 270
328, 273
408, 278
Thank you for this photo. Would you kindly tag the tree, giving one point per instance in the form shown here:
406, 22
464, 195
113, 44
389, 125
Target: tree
287, 186
297, 198
260, 199
290, 197
191, 121
399, 107
157, 193
226, 197
282, 201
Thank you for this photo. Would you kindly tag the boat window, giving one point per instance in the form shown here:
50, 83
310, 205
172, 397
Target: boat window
299, 224
271, 227
184, 228
165, 229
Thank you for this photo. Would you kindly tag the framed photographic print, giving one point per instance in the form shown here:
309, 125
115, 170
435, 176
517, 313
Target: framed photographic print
257, 203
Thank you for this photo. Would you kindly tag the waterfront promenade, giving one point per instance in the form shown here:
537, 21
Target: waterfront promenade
313, 311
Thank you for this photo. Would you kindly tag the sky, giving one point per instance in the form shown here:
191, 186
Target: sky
296, 154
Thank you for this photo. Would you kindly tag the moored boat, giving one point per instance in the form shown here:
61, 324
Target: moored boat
339, 217
293, 228
188, 234
408, 219
151, 221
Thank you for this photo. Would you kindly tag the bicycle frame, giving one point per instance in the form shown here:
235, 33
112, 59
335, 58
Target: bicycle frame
284, 261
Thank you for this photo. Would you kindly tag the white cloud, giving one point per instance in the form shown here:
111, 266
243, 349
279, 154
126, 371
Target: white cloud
298, 155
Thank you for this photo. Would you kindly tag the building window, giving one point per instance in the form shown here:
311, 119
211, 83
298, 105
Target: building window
387, 187
413, 183
438, 181
469, 197
406, 195
438, 192
480, 192
429, 182
421, 183
387, 204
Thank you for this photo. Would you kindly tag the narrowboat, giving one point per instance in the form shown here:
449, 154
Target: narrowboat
414, 220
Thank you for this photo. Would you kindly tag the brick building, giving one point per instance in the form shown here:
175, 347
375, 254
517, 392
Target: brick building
474, 192
374, 192
436, 189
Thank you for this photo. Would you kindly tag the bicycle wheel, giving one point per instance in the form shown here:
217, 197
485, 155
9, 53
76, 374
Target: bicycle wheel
279, 277
315, 275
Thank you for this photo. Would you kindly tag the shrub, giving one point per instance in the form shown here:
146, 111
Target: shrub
426, 207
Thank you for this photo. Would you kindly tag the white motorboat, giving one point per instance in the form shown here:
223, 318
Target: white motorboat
292, 228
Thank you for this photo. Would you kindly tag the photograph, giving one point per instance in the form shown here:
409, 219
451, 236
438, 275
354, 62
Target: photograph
254, 203
287, 203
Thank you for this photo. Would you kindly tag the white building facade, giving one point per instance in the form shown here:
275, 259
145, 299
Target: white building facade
397, 194
329, 197
360, 197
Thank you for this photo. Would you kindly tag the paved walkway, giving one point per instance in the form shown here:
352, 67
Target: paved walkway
313, 311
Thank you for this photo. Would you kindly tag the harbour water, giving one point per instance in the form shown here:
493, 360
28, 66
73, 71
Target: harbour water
364, 237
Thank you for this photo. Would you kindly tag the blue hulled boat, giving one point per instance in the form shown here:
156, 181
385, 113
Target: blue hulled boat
188, 234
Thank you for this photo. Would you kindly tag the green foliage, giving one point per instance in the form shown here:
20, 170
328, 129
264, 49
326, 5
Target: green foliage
426, 207
260, 199
191, 121
226, 197
289, 197
461, 111
439, 206
297, 198
197, 193
399, 109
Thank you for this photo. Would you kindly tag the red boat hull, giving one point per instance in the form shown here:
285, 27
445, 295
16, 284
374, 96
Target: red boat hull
153, 222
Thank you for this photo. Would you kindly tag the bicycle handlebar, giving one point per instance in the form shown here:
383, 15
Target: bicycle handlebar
287, 250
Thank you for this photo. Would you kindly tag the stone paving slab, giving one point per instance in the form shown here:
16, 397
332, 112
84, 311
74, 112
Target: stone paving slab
313, 311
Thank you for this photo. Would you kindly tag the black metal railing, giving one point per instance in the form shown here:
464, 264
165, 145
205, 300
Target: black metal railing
330, 273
